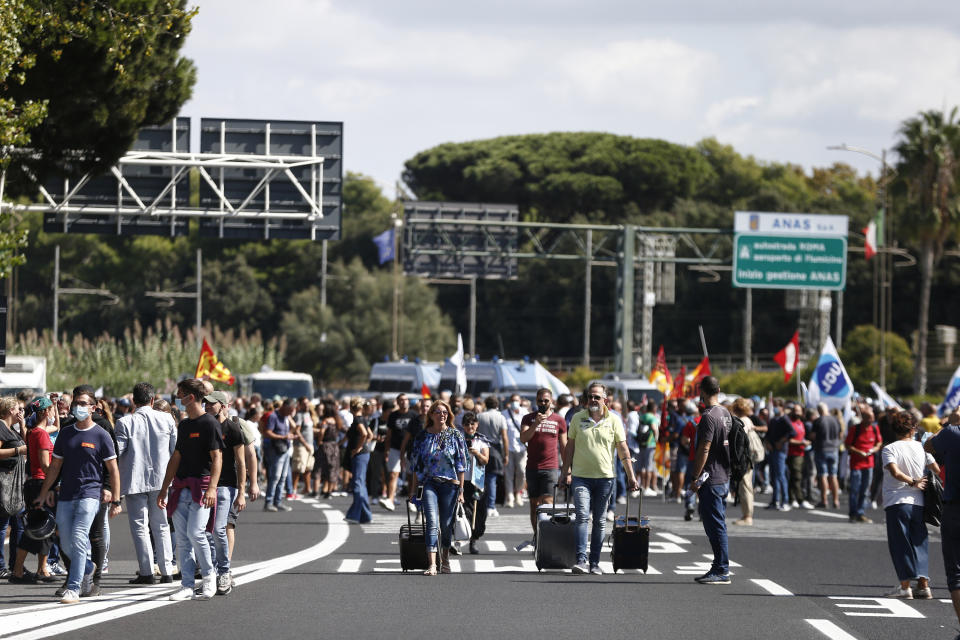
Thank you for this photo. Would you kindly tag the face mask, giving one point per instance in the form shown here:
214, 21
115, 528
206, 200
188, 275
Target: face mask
81, 413
515, 406
543, 406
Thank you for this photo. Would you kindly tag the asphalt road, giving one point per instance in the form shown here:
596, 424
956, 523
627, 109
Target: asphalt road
306, 573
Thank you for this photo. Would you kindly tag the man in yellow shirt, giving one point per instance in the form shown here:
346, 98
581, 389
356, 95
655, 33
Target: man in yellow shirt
588, 467
930, 421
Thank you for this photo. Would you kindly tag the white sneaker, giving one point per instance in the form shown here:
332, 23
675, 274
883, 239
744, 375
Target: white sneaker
899, 592
794, 504
209, 588
650, 493
622, 500
509, 503
493, 513
611, 516
70, 597
806, 505
873, 504
183, 593
520, 501
412, 508
387, 504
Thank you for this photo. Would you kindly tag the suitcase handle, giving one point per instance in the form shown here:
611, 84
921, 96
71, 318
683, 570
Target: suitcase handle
639, 506
423, 520
566, 497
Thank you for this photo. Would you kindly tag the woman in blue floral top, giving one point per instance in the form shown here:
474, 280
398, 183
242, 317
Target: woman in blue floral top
439, 459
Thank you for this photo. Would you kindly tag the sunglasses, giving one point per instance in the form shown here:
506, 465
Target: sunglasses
596, 396
440, 412
83, 403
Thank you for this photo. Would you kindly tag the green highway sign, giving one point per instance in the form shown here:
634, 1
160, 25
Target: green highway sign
789, 261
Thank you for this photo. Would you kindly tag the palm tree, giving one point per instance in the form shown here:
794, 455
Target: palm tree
927, 177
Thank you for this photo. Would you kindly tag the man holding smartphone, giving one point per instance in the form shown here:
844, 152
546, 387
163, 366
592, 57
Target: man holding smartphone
544, 432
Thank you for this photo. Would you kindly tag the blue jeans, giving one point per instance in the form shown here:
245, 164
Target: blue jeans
908, 542
689, 501
278, 466
219, 548
490, 488
713, 512
439, 506
778, 477
360, 509
590, 497
74, 518
859, 485
190, 522
16, 530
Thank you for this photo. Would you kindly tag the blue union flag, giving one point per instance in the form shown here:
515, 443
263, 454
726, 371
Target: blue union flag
830, 383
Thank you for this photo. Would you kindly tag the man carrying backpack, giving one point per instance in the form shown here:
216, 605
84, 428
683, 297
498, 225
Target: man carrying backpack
713, 457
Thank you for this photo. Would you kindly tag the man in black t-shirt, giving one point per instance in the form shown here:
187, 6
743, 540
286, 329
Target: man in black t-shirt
713, 457
396, 429
194, 471
230, 495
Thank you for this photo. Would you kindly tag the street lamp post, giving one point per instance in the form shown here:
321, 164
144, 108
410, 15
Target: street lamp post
884, 266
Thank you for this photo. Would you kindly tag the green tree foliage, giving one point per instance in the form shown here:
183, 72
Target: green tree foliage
103, 69
928, 171
860, 356
338, 342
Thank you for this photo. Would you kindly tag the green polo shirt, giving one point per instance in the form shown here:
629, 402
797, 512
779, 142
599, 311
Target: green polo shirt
595, 448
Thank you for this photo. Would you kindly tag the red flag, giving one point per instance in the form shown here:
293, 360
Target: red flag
698, 374
787, 357
425, 390
660, 375
678, 383
209, 366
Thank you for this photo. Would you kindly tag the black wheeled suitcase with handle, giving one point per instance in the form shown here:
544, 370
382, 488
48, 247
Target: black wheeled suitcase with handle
556, 544
630, 540
413, 544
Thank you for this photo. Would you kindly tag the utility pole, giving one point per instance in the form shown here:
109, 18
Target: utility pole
587, 299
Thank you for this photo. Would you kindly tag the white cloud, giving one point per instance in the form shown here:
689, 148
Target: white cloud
720, 112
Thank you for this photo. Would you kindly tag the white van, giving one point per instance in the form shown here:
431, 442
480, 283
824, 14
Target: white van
270, 384
24, 373
627, 386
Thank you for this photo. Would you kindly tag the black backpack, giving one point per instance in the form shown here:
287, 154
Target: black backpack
739, 450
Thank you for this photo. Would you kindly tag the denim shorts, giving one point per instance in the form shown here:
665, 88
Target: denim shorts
827, 463
645, 459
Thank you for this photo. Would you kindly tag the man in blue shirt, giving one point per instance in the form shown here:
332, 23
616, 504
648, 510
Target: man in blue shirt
945, 447
277, 449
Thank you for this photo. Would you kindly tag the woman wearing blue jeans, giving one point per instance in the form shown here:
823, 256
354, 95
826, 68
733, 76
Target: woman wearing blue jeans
439, 460
903, 484
358, 435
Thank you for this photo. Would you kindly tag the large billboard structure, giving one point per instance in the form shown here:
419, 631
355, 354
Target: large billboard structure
251, 179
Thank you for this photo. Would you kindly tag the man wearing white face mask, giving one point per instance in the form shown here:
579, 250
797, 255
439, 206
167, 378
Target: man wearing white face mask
513, 476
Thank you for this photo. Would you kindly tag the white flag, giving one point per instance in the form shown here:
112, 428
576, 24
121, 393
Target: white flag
884, 397
98, 393
457, 359
830, 382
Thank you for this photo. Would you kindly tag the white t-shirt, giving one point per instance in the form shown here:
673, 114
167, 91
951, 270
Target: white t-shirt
911, 459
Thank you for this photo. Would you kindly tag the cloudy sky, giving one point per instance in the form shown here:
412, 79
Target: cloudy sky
775, 79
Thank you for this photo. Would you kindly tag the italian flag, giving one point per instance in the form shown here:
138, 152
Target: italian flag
873, 235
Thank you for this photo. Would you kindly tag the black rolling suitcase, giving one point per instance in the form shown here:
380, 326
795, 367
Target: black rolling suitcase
630, 541
556, 544
413, 544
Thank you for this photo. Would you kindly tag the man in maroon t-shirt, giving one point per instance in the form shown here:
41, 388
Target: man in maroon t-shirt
795, 455
545, 433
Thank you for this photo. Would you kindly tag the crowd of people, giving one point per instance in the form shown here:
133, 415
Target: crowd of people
184, 467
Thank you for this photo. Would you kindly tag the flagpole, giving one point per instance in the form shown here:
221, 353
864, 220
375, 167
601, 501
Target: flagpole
396, 291
703, 341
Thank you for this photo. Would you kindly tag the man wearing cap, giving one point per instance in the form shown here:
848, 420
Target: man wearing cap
146, 439
233, 476
779, 434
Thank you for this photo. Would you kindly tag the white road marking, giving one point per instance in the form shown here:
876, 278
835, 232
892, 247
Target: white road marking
495, 545
669, 537
709, 556
829, 514
309, 500
490, 566
883, 608
665, 547
349, 565
454, 565
830, 630
391, 561
771, 587
55, 619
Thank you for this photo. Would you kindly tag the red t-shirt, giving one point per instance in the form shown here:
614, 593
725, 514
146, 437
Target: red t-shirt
37, 440
542, 448
796, 450
690, 431
863, 437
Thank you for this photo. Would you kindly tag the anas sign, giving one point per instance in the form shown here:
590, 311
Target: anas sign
789, 251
